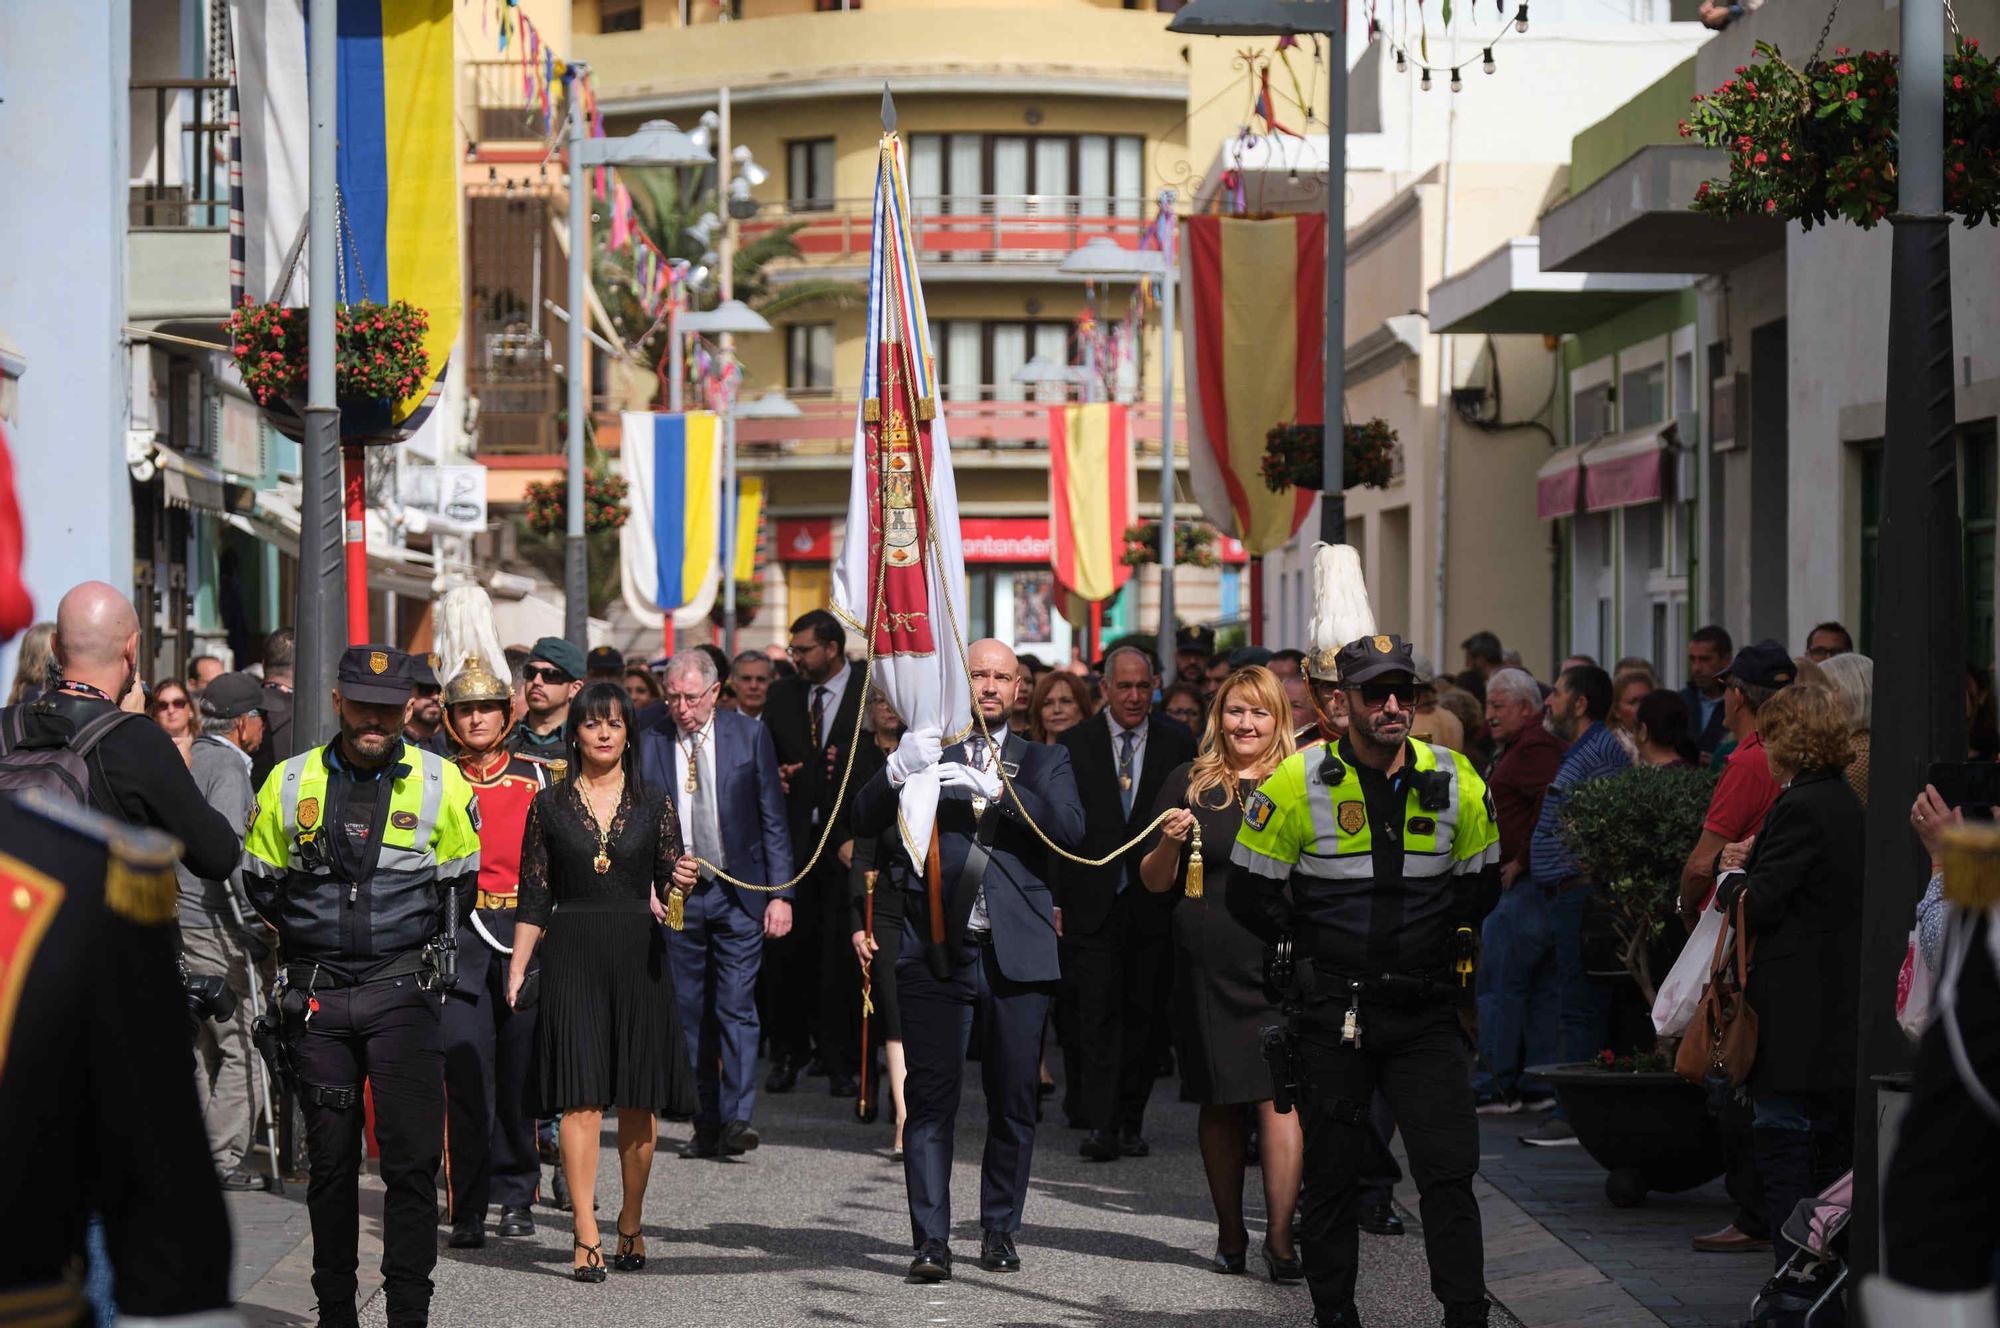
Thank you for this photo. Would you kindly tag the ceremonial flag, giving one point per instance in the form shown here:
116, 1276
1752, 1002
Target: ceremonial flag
397, 164
673, 531
1255, 330
1091, 497
899, 582
749, 517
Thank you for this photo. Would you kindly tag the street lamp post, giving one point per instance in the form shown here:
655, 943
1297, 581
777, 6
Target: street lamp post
1105, 257
322, 588
731, 318
1299, 18
656, 143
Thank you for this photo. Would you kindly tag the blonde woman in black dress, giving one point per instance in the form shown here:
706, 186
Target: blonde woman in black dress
1220, 1010
597, 871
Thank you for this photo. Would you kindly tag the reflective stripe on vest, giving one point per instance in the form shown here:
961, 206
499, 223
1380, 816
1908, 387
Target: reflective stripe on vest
1352, 855
416, 799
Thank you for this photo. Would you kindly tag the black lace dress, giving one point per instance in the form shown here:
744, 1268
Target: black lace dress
607, 1033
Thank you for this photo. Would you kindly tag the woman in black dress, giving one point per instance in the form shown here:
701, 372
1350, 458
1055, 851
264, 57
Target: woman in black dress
597, 866
1220, 1011
877, 952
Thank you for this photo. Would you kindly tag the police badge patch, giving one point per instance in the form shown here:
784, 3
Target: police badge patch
308, 813
1350, 817
404, 820
378, 662
1257, 810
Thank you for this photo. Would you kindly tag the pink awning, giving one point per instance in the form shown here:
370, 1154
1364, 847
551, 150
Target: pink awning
1622, 470
1556, 485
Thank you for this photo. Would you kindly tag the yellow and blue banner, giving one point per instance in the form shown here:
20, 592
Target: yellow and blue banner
673, 534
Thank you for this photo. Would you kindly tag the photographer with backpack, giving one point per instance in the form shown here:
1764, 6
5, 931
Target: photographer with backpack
75, 743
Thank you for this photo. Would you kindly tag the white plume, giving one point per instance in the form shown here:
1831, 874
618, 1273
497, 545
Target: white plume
464, 627
1340, 598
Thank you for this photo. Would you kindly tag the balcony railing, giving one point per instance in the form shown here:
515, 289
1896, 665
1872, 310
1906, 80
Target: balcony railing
185, 185
825, 426
965, 228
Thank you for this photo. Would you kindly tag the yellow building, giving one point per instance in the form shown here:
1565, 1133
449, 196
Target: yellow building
1029, 129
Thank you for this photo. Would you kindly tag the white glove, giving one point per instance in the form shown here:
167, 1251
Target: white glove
979, 783
919, 749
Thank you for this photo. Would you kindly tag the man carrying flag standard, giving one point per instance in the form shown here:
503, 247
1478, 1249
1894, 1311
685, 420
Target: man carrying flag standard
979, 929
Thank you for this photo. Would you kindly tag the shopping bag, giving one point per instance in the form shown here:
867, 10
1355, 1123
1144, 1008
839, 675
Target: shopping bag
1913, 991
1680, 993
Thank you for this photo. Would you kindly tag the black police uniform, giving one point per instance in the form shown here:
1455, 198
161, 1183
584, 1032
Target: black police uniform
1385, 872
352, 867
93, 1020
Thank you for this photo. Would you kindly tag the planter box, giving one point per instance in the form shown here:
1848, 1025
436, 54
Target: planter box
1650, 1131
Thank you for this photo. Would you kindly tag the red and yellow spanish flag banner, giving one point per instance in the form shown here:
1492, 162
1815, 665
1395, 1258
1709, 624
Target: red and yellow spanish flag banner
1256, 326
1091, 497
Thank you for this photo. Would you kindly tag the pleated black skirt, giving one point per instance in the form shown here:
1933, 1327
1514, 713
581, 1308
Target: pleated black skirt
608, 1033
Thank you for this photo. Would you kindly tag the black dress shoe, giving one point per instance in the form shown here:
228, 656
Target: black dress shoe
996, 1253
515, 1222
738, 1137
1100, 1146
1131, 1143
842, 1085
783, 1078
1344, 1318
469, 1234
1380, 1219
702, 1144
1283, 1271
816, 1066
932, 1264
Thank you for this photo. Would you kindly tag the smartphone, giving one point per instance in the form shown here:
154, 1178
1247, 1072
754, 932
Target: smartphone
1971, 786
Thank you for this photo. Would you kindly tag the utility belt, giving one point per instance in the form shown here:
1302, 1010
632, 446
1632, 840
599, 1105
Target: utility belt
309, 975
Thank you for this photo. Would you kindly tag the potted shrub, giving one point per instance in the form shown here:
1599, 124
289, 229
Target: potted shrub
749, 599
1194, 544
1819, 144
380, 361
1293, 452
1648, 1127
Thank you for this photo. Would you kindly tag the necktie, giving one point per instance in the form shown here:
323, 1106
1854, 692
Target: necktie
1126, 742
707, 830
819, 716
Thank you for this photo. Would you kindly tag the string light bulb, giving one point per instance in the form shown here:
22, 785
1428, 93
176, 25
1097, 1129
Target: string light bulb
1487, 61
1521, 18
1457, 83
1402, 61
1425, 81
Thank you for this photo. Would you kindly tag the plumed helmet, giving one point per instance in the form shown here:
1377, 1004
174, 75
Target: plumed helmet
1341, 613
475, 682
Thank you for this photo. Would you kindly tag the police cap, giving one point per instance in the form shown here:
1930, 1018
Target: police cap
1195, 640
1374, 657
423, 671
375, 675
605, 659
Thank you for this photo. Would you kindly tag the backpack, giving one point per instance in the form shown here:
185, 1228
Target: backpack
62, 772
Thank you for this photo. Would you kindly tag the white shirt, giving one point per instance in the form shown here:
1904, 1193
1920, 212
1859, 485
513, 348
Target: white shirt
981, 755
704, 772
1118, 733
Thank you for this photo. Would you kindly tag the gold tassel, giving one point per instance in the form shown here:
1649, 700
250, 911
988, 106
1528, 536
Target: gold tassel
675, 917
1193, 887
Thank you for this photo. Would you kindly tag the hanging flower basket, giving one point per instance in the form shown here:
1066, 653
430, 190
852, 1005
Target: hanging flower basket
1820, 144
1194, 544
1293, 453
749, 599
603, 506
379, 361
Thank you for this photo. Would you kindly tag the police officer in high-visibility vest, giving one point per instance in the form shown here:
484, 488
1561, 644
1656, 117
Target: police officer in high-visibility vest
356, 850
1390, 848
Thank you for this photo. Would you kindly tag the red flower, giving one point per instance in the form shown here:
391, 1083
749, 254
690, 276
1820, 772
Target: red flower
1957, 81
1852, 94
1759, 159
1843, 68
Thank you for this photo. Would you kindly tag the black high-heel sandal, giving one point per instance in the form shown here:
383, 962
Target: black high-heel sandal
1284, 1271
592, 1268
626, 1260
1226, 1263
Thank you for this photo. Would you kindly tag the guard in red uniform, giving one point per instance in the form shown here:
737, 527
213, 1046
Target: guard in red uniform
491, 1155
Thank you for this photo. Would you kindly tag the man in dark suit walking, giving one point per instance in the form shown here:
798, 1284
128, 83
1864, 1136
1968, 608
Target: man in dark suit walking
811, 720
998, 958
1115, 933
722, 773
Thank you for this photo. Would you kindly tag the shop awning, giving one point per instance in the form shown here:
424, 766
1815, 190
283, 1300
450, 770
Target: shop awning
1618, 470
1507, 292
192, 483
391, 568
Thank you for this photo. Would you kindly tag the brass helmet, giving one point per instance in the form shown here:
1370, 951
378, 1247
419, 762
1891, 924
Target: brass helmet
475, 682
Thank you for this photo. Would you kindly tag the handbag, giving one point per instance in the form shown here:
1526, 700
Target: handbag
1722, 1044
1681, 992
1914, 991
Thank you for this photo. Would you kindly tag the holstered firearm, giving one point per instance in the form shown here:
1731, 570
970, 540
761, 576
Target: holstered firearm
1281, 1053
442, 952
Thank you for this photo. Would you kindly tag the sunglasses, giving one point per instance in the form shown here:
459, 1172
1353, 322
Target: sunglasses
171, 703
545, 673
1374, 695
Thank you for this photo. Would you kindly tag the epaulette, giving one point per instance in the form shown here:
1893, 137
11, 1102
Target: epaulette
558, 768
139, 881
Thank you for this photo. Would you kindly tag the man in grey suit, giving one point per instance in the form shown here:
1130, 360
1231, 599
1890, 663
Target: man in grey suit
998, 958
722, 773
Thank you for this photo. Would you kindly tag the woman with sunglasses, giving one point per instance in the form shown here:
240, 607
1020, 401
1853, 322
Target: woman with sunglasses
1220, 1010
597, 866
173, 710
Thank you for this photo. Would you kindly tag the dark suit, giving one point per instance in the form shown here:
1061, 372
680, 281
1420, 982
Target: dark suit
1710, 736
1115, 933
1006, 975
814, 974
718, 951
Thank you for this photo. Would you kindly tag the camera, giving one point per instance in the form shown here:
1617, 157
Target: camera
208, 994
